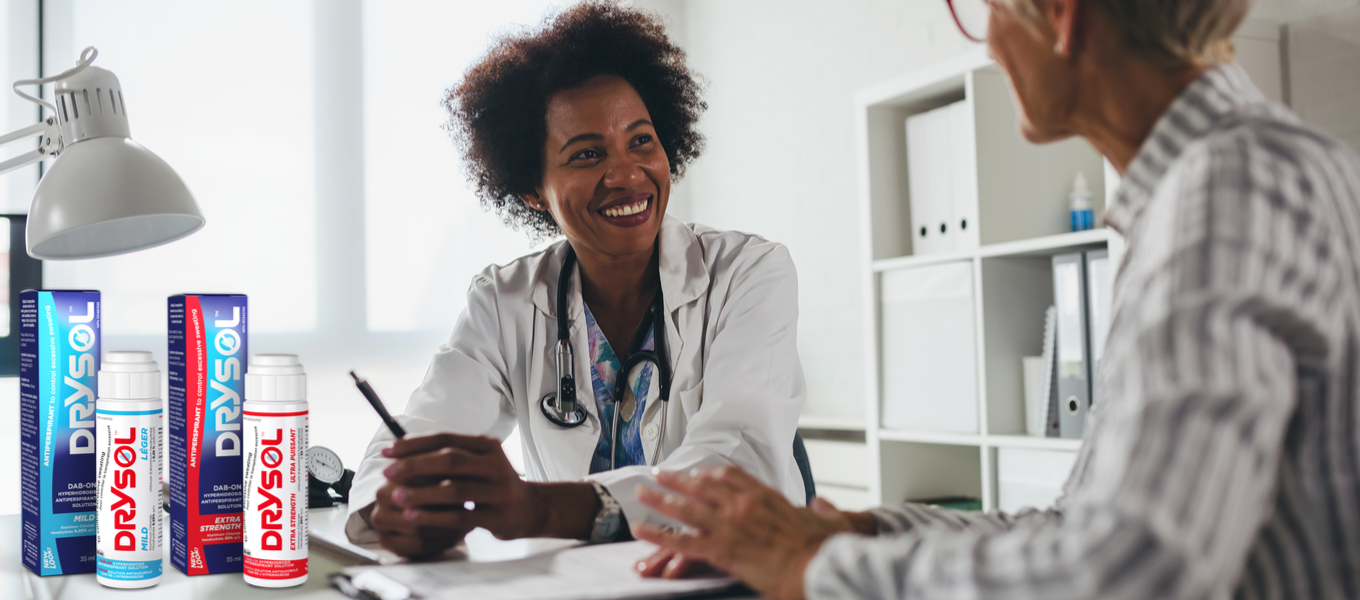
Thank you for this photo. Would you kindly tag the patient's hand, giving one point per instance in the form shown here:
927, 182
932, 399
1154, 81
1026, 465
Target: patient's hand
740, 526
670, 564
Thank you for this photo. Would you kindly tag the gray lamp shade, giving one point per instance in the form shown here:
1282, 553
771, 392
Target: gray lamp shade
107, 196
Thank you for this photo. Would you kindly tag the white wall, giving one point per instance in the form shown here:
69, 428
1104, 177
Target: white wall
1323, 57
672, 13
781, 161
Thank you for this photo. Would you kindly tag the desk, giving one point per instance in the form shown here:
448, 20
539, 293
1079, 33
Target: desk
17, 582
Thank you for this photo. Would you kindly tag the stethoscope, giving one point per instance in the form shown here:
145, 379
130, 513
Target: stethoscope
562, 408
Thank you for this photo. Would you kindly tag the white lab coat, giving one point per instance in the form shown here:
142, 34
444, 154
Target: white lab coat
731, 322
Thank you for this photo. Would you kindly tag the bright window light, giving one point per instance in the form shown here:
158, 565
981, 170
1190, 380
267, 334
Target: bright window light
4, 277
225, 96
7, 121
427, 235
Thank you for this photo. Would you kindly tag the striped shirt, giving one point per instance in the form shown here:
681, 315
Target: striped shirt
1223, 459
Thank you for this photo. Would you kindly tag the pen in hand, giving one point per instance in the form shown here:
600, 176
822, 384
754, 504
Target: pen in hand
377, 404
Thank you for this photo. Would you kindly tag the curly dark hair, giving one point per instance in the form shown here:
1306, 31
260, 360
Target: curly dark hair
498, 112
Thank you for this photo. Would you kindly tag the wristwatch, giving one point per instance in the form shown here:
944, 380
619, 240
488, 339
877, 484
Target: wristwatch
609, 521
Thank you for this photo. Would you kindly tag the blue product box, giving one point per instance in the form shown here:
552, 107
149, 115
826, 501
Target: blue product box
58, 383
207, 361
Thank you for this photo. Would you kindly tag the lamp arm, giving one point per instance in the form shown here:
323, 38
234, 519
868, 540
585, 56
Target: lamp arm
29, 131
23, 160
50, 145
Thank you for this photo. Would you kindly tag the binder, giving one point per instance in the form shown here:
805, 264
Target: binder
929, 349
928, 180
1073, 343
942, 176
1099, 295
964, 184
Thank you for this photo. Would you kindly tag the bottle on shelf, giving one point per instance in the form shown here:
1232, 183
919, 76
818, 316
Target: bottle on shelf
1080, 204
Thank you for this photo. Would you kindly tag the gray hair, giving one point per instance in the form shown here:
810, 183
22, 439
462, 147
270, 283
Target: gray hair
1168, 32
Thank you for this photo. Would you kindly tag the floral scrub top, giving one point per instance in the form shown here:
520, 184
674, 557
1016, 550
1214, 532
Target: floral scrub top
604, 365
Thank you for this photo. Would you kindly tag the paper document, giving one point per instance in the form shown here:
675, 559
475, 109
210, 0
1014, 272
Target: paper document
586, 572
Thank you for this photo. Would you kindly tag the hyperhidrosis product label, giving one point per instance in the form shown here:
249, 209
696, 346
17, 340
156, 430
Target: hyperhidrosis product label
59, 360
129, 496
207, 358
276, 495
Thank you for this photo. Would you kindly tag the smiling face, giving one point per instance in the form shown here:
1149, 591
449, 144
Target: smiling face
606, 178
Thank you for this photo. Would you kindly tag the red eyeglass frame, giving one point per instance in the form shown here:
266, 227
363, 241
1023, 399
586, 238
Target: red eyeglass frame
954, 13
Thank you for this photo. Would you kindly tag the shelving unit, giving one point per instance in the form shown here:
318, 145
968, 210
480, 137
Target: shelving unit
1022, 220
1022, 223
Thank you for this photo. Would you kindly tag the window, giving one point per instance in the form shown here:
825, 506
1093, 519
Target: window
18, 272
232, 100
225, 97
18, 60
427, 235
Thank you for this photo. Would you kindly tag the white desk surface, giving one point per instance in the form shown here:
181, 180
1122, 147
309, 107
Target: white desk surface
17, 582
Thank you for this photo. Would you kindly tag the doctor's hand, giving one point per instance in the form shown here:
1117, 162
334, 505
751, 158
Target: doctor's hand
445, 485
741, 527
422, 510
404, 537
442, 486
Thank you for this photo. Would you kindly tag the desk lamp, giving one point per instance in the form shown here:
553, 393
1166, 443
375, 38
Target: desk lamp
105, 194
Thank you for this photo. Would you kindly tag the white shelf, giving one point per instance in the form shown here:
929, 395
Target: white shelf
1040, 246
910, 262
1033, 443
1047, 245
931, 437
830, 423
972, 439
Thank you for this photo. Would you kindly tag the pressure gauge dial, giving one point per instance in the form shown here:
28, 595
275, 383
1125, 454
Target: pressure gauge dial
324, 465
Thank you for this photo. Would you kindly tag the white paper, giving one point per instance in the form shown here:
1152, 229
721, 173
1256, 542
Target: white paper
1034, 370
604, 571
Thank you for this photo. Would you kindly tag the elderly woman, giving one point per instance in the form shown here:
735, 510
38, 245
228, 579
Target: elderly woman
636, 341
1224, 457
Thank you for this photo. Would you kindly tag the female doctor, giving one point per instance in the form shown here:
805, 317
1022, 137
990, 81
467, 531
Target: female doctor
578, 129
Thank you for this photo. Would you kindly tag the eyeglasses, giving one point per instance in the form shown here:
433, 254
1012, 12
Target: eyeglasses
971, 16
